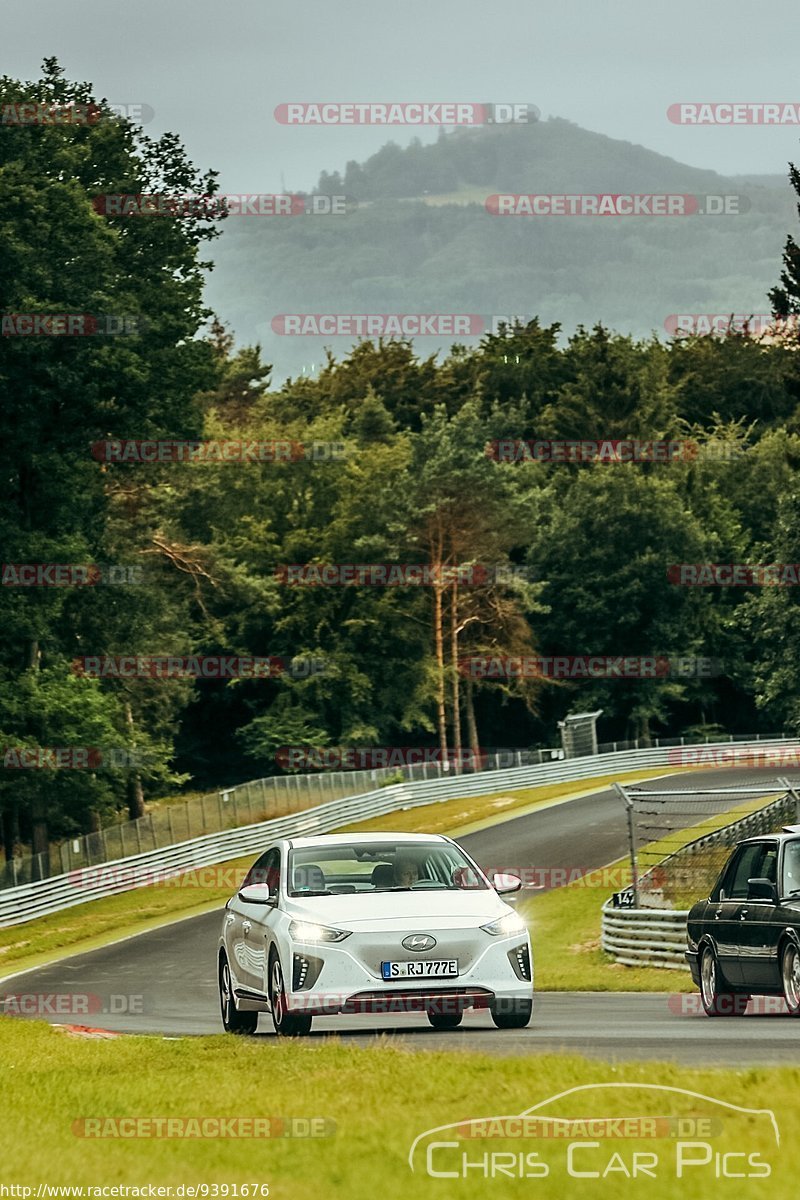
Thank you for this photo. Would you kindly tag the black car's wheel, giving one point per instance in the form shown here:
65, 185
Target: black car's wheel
790, 977
511, 1014
716, 1001
440, 1020
286, 1024
233, 1021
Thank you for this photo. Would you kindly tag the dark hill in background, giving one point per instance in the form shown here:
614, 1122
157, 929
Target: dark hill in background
422, 241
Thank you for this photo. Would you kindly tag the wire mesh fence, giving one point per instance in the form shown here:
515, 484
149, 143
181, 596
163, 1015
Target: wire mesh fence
246, 804
168, 824
679, 839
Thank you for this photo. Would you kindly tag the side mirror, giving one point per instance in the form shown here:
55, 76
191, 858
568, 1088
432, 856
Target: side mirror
504, 884
258, 893
762, 889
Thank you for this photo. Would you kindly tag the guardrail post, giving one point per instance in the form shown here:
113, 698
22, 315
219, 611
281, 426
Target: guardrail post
792, 791
620, 790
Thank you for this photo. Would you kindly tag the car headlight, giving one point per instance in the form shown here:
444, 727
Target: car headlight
511, 923
307, 931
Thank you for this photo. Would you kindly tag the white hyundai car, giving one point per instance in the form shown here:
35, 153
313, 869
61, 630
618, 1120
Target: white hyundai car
372, 923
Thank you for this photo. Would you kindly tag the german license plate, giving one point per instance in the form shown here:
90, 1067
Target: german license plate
434, 968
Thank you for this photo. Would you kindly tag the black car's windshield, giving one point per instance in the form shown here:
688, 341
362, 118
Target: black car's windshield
790, 876
380, 867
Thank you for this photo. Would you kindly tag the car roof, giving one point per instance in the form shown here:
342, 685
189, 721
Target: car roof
369, 839
786, 835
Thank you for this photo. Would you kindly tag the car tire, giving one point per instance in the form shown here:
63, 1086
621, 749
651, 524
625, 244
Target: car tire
286, 1024
443, 1021
716, 1002
790, 978
233, 1021
511, 1014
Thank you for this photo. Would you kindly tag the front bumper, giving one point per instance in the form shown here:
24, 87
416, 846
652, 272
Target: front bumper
693, 959
344, 985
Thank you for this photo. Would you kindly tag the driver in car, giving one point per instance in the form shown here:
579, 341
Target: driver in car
406, 872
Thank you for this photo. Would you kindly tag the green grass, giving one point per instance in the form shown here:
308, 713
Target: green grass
565, 933
380, 1098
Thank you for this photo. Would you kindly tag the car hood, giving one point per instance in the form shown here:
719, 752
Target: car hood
396, 910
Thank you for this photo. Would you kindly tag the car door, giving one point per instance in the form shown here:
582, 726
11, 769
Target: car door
724, 911
759, 928
259, 918
245, 920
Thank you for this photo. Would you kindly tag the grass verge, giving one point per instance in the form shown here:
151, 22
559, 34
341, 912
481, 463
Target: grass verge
377, 1101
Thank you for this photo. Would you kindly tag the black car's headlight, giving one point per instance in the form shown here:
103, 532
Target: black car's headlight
307, 931
511, 923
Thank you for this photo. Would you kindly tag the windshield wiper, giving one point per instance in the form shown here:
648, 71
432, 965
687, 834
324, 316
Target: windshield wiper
313, 892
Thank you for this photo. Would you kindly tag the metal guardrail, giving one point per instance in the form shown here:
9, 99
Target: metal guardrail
656, 937
645, 937
23, 903
241, 804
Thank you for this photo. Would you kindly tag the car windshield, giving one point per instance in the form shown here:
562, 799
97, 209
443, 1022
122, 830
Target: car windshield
381, 867
790, 884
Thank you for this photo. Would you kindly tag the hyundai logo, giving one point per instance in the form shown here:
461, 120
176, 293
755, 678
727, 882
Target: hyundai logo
419, 941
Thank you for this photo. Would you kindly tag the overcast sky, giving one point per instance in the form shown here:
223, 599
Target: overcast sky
214, 73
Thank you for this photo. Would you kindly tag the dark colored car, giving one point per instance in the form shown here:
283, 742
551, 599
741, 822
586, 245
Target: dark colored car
744, 939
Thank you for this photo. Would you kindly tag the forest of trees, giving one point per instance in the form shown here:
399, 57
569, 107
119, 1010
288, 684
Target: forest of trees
578, 554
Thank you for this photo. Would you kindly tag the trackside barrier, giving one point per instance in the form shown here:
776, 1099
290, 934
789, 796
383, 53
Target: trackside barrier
656, 937
645, 937
31, 900
247, 803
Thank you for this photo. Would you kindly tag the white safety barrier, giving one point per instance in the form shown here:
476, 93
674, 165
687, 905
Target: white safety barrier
30, 900
645, 937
